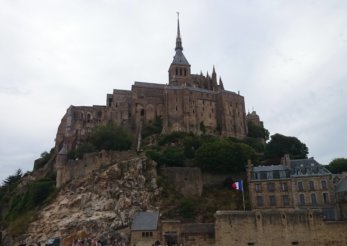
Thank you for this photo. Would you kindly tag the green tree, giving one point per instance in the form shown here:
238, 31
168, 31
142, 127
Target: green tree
255, 131
338, 165
279, 145
110, 137
44, 158
154, 128
223, 156
12, 179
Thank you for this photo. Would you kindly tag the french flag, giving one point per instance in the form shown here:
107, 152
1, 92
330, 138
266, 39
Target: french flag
237, 185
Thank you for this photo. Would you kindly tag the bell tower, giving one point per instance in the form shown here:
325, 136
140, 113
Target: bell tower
179, 71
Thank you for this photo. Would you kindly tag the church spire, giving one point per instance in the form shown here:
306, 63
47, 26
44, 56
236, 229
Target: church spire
178, 38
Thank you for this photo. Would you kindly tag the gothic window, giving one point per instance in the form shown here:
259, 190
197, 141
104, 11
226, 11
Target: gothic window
302, 199
272, 200
313, 199
285, 199
260, 201
185, 72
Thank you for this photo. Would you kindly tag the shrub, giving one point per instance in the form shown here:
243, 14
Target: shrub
45, 157
187, 208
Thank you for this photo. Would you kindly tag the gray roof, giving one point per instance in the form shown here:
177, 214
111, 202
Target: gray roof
307, 167
342, 185
269, 168
147, 84
145, 221
179, 58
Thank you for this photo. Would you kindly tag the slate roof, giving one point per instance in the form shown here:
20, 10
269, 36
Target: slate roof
147, 84
342, 185
269, 168
145, 221
180, 59
307, 167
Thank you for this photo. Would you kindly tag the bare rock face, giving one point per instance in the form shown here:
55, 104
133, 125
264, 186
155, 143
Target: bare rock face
103, 201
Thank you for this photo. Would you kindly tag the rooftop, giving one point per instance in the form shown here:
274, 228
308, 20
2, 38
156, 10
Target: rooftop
145, 221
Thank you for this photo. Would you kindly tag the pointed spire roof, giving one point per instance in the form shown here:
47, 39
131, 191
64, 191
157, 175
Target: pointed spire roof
178, 37
213, 71
221, 83
179, 58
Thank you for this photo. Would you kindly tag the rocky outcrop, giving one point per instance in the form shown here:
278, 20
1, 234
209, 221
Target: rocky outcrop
100, 200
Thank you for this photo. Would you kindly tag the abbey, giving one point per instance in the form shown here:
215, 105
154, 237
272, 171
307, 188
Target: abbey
187, 102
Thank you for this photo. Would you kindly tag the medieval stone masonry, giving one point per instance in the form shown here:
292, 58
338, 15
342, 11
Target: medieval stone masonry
188, 102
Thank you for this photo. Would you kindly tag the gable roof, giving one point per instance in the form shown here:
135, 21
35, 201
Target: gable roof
145, 221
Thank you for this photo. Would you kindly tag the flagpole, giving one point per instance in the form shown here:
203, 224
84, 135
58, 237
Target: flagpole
243, 197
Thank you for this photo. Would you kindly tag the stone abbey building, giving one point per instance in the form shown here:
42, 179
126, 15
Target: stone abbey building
188, 102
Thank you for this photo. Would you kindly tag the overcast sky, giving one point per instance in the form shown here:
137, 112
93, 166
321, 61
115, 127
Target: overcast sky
287, 58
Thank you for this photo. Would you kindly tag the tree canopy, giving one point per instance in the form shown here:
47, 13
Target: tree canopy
104, 137
338, 165
223, 156
255, 131
280, 145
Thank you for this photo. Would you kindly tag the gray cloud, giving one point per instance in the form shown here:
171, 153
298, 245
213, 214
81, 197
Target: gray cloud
286, 57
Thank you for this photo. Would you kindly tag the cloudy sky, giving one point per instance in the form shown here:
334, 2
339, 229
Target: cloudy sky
288, 58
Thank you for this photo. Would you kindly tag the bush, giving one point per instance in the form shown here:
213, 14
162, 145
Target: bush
169, 157
107, 137
110, 137
154, 128
223, 156
187, 208
45, 157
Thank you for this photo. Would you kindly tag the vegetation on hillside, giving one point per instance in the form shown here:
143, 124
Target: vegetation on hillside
19, 201
255, 131
103, 137
44, 158
210, 153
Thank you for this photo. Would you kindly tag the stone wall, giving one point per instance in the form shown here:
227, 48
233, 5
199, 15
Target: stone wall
278, 227
186, 180
73, 169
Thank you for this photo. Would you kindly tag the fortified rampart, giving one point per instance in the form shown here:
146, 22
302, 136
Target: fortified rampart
278, 227
73, 169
